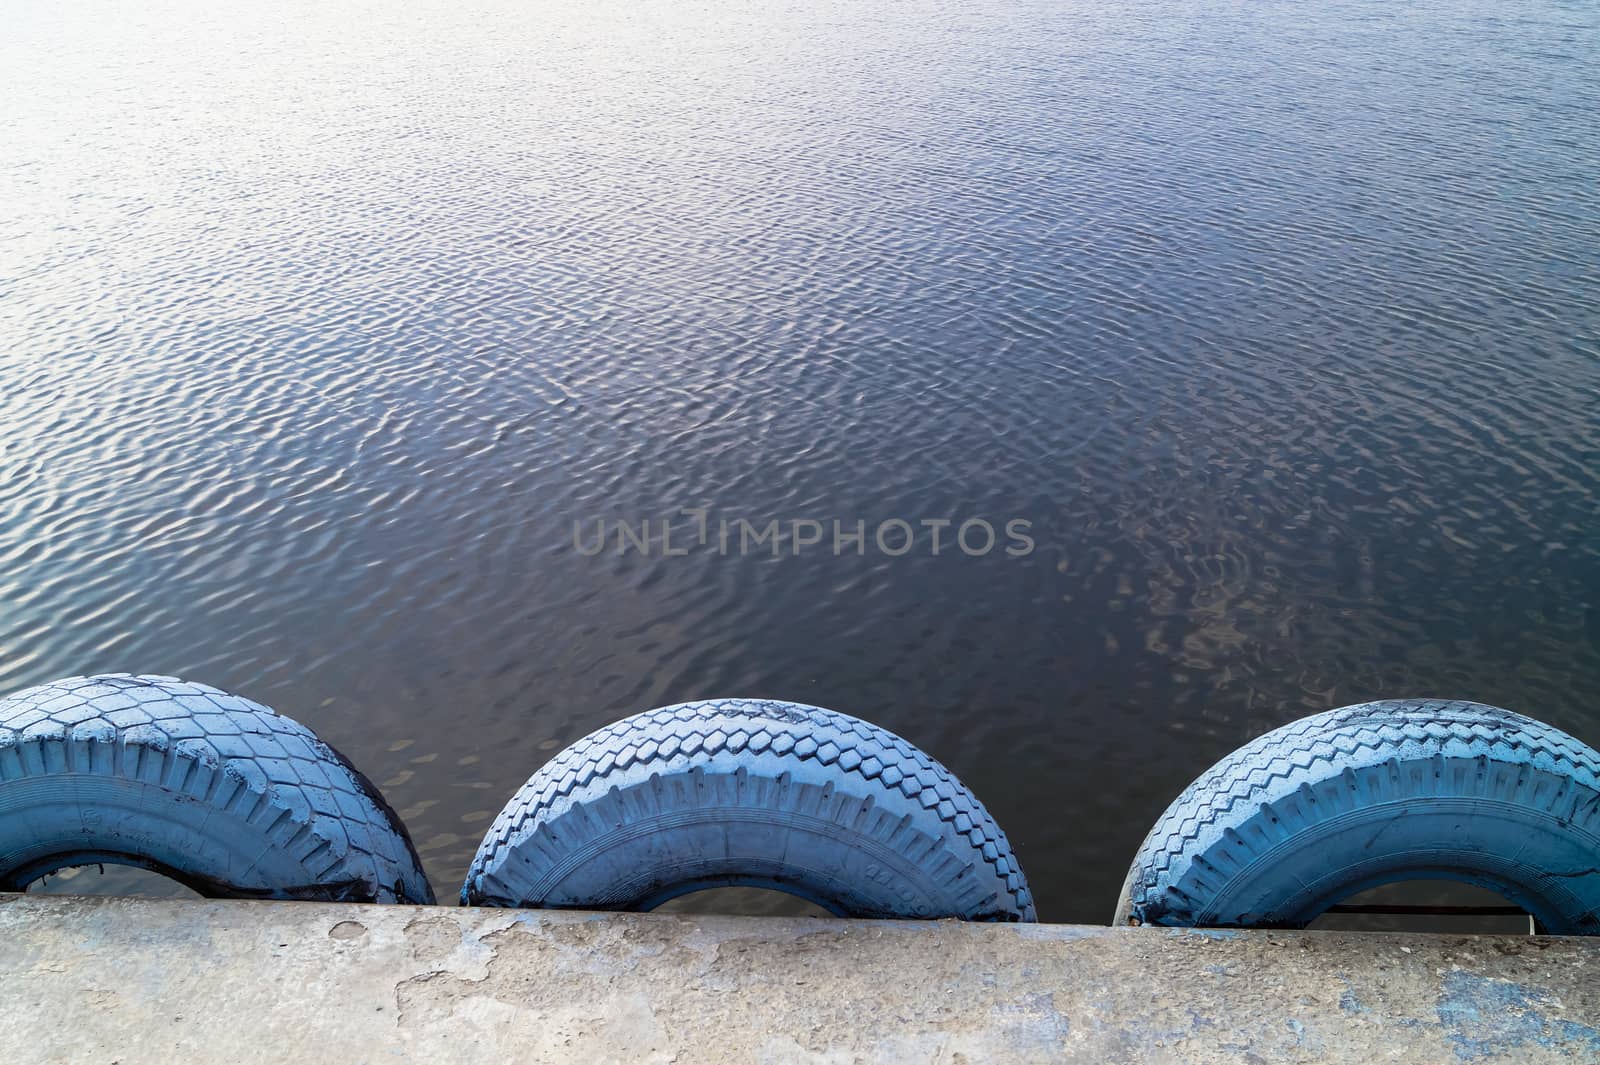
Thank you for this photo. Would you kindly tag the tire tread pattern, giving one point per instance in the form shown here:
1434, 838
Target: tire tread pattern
802, 733
1322, 746
229, 753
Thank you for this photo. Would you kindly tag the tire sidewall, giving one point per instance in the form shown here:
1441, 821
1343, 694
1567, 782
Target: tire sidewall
749, 793
1523, 854
61, 821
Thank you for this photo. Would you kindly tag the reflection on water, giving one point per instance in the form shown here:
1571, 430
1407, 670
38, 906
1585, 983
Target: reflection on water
318, 330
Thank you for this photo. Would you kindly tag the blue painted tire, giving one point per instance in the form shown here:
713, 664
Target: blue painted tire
214, 791
1340, 802
745, 792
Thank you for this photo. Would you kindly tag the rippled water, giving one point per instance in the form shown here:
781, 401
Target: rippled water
1280, 323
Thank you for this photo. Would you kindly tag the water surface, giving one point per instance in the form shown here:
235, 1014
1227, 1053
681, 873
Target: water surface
320, 326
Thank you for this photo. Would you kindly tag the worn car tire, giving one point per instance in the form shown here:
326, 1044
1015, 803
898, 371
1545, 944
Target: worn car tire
746, 792
1343, 801
214, 791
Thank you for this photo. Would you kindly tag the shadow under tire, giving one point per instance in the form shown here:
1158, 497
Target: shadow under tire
1334, 804
212, 790
751, 793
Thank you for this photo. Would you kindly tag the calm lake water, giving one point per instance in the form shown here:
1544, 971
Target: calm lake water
321, 326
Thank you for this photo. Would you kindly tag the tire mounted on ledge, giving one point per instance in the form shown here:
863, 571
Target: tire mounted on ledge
1343, 801
211, 790
753, 793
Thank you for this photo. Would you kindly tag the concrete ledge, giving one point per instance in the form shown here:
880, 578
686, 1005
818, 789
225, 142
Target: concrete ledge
102, 980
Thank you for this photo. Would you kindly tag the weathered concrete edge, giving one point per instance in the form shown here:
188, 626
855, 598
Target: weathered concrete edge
132, 981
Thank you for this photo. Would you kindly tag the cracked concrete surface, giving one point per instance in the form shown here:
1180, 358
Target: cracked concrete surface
132, 981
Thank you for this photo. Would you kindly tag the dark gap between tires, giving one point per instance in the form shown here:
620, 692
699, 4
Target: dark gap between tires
1430, 894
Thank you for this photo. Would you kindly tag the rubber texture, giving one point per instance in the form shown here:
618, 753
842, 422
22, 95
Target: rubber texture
745, 792
1343, 801
210, 789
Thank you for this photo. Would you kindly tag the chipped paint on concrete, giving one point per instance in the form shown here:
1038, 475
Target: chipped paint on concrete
1487, 1018
1205, 933
136, 981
